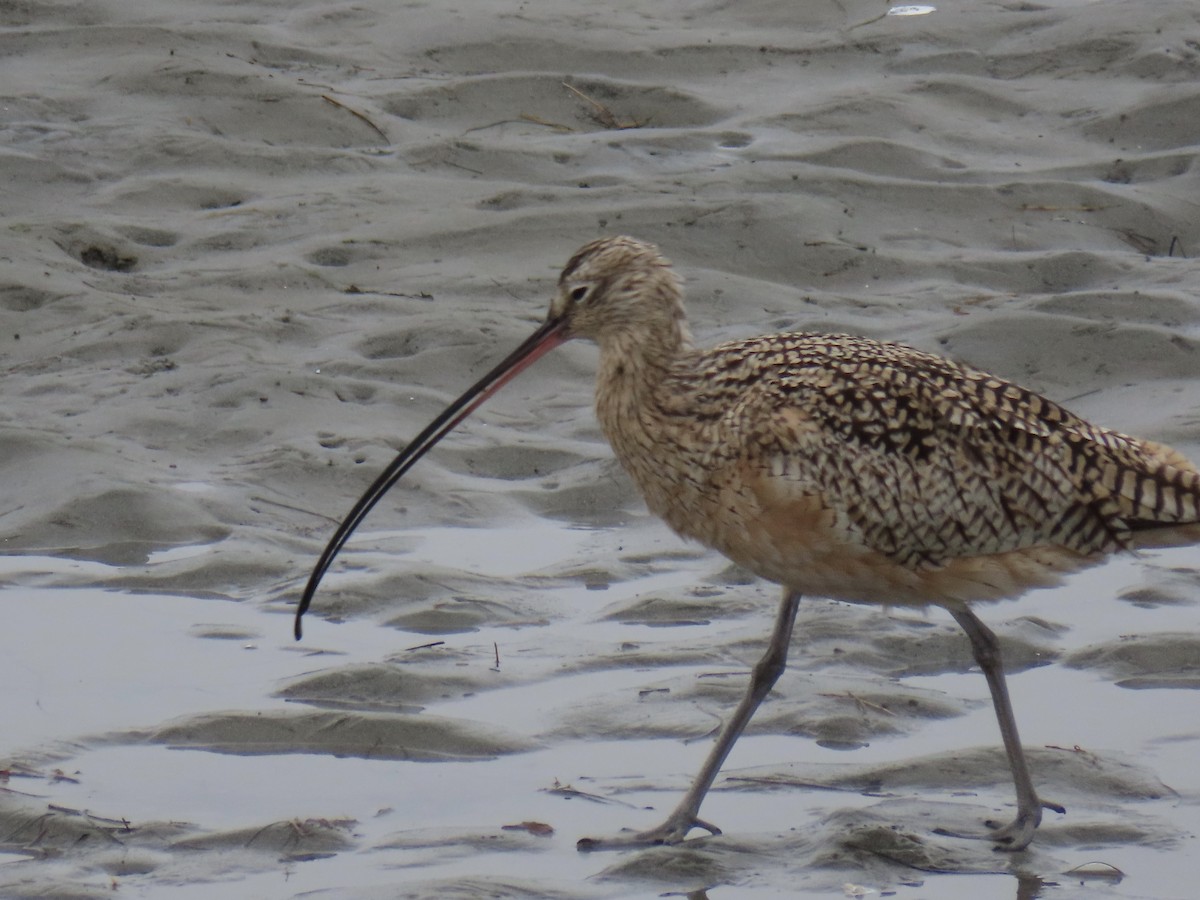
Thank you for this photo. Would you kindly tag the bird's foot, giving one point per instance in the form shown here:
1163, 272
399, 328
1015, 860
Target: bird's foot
672, 831
1014, 836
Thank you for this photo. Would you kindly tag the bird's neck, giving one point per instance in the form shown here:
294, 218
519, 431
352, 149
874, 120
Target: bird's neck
634, 363
639, 386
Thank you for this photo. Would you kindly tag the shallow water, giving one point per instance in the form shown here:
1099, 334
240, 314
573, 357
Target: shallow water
95, 669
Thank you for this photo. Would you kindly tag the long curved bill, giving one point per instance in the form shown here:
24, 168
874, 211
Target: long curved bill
551, 333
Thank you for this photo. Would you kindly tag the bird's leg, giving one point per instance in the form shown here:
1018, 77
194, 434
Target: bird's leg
1017, 834
685, 816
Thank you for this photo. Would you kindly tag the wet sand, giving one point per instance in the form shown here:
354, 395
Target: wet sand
251, 249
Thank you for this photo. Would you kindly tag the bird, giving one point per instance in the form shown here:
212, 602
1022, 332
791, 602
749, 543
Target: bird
836, 466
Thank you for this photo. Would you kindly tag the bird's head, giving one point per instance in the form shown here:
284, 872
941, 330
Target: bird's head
619, 285
617, 291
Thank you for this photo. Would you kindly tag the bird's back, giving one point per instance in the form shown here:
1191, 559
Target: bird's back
868, 470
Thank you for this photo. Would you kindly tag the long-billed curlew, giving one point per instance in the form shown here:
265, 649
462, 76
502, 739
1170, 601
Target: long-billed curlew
838, 466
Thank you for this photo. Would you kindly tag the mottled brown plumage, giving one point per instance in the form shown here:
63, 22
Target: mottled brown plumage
839, 466
922, 480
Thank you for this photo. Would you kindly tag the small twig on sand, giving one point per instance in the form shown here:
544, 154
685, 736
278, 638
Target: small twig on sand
602, 113
1142, 243
523, 117
300, 509
424, 646
354, 112
565, 790
419, 295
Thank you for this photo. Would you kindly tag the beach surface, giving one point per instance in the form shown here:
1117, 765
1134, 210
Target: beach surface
250, 249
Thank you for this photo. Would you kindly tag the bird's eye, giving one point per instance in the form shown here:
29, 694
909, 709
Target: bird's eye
580, 293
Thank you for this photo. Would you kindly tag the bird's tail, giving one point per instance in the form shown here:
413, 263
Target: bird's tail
1162, 501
